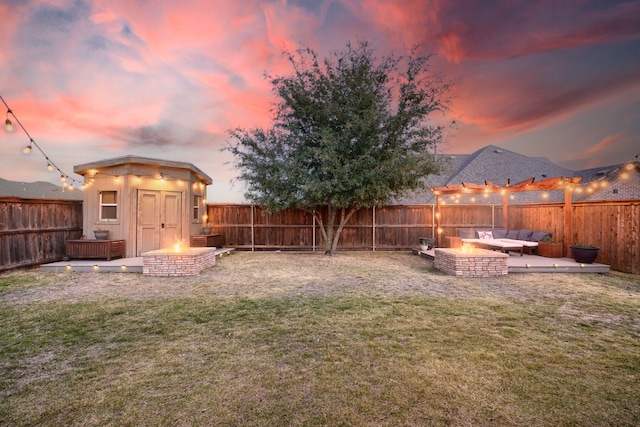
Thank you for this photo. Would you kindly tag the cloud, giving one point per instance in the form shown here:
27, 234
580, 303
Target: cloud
606, 143
108, 77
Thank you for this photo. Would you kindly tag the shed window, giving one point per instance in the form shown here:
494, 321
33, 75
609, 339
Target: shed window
108, 206
197, 201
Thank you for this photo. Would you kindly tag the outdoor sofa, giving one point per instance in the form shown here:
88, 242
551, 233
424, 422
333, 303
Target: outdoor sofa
505, 240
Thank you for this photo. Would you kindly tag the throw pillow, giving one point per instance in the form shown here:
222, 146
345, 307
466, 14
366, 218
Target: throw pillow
537, 236
512, 234
499, 233
485, 235
524, 234
467, 233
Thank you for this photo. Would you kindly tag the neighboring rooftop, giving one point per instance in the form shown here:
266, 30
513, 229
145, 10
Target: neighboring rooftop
36, 190
499, 166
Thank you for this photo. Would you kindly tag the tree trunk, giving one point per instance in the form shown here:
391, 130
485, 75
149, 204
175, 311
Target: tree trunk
345, 216
331, 213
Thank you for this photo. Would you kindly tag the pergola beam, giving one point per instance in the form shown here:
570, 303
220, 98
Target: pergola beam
549, 184
557, 183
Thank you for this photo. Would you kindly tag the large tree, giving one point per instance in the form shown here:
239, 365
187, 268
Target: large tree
348, 132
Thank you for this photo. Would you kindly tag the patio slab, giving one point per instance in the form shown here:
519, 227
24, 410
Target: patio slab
537, 264
123, 265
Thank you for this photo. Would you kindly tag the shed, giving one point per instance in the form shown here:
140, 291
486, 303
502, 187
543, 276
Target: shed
150, 203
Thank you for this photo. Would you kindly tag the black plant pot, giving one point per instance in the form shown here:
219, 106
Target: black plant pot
584, 255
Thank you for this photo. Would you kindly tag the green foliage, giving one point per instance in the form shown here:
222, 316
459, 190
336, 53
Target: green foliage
584, 246
348, 132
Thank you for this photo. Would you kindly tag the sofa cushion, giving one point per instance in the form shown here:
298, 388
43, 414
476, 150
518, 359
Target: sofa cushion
538, 235
467, 233
524, 234
499, 233
485, 235
512, 234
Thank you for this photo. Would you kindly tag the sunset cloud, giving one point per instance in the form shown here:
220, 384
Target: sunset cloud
92, 79
606, 143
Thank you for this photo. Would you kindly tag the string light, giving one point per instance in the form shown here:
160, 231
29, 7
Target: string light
9, 127
572, 185
7, 124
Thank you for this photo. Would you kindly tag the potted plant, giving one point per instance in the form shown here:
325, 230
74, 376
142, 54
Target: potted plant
101, 234
426, 243
550, 248
206, 229
584, 254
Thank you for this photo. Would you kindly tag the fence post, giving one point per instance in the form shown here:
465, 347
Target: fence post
373, 230
253, 248
433, 220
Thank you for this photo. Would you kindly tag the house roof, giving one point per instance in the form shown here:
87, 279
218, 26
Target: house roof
617, 182
117, 161
499, 166
37, 190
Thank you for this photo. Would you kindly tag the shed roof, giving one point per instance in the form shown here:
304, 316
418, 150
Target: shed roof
146, 161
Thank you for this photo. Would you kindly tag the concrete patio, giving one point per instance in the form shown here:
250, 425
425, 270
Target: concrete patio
122, 265
537, 264
515, 262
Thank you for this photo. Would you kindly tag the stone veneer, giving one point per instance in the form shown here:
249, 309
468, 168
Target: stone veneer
479, 263
188, 262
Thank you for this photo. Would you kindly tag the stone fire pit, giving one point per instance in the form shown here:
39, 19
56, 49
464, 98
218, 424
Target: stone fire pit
471, 262
171, 262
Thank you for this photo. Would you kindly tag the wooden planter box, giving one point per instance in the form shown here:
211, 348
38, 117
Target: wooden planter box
99, 249
207, 240
550, 249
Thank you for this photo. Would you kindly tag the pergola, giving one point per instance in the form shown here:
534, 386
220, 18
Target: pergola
558, 183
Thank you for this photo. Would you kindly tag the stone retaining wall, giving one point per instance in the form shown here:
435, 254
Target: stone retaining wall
189, 262
479, 263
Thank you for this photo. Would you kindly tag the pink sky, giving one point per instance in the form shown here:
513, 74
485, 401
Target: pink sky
97, 79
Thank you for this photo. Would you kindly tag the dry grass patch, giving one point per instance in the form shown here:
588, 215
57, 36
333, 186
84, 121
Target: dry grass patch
304, 339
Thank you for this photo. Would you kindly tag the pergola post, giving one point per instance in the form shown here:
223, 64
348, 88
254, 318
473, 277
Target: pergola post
505, 210
568, 231
438, 229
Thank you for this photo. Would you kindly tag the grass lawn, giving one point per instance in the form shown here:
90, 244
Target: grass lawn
274, 339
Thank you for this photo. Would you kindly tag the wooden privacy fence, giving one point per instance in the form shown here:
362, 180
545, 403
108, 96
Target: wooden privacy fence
34, 231
385, 228
613, 226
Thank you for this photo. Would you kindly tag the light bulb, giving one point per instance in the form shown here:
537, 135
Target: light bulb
49, 167
8, 125
27, 149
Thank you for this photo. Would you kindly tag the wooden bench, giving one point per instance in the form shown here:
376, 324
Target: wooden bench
207, 240
99, 249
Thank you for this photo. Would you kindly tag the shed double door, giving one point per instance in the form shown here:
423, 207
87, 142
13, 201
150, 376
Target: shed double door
159, 220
